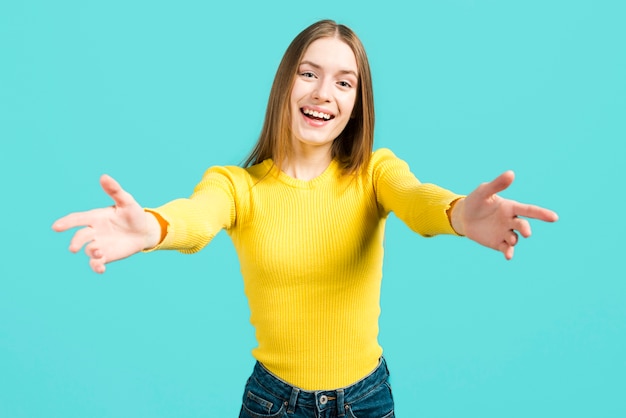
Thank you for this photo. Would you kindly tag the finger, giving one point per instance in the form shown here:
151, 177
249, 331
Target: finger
60, 225
80, 238
93, 250
75, 219
506, 249
498, 184
97, 265
511, 238
522, 226
70, 221
111, 187
536, 212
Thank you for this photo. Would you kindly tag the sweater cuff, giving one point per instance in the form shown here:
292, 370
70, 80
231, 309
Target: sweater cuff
449, 213
164, 229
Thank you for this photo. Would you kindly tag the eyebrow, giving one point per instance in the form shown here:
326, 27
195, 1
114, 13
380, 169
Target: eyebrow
317, 66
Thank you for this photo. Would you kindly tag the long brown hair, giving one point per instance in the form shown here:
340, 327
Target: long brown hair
353, 147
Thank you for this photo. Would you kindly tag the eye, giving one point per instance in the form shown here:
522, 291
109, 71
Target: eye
344, 84
307, 74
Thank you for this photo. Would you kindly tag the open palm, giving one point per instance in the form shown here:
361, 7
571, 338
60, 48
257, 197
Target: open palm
111, 233
493, 221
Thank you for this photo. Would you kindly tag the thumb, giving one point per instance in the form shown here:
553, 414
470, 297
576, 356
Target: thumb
500, 183
111, 187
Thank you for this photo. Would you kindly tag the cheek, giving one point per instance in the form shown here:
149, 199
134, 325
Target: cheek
350, 106
294, 109
293, 101
298, 90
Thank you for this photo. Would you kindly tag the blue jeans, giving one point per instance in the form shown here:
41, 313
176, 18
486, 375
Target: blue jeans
267, 396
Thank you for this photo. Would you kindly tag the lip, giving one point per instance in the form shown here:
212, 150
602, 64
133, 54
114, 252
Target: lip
314, 122
318, 109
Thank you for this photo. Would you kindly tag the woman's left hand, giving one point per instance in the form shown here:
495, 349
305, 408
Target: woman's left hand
493, 221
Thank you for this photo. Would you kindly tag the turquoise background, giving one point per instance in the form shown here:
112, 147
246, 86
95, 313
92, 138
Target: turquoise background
154, 92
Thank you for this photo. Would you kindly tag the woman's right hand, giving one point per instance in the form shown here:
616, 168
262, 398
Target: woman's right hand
114, 232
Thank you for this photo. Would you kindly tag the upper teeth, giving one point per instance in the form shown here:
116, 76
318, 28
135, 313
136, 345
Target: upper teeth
316, 114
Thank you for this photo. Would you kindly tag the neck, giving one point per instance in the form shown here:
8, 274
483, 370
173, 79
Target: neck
306, 164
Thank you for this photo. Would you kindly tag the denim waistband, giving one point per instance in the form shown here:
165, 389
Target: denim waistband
322, 398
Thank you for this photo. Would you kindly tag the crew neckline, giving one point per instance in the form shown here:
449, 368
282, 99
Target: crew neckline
328, 172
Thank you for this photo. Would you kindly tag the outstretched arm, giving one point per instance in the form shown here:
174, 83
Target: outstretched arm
493, 221
114, 232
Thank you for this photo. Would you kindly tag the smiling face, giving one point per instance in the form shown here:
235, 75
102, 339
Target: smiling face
334, 58
323, 94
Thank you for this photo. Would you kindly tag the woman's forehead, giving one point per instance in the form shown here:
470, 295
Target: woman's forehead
330, 52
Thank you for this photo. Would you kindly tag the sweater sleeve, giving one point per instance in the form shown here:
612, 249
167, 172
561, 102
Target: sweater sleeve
421, 206
193, 222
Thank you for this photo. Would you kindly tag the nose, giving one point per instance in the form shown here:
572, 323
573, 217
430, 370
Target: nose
322, 90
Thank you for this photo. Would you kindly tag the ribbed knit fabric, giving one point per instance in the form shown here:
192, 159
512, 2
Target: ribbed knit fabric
311, 256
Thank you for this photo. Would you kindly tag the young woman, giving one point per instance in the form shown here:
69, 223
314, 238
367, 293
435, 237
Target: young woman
306, 214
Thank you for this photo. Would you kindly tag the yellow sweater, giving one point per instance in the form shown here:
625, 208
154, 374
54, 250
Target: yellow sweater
311, 255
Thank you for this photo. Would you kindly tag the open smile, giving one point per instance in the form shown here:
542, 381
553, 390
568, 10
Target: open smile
316, 115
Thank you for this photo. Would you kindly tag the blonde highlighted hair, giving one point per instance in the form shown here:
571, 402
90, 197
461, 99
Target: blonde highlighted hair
353, 147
